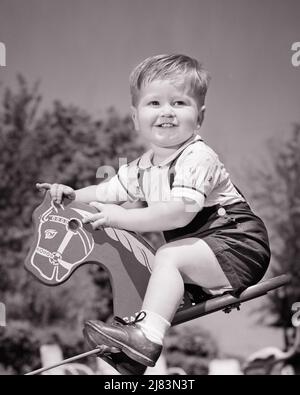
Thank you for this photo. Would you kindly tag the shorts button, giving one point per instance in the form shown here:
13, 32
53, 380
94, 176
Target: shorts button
221, 211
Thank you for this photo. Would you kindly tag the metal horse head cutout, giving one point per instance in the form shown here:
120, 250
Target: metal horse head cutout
62, 243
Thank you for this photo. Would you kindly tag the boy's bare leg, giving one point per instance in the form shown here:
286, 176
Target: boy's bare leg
189, 260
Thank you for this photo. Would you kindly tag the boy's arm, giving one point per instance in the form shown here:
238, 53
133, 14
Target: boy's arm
112, 191
101, 193
137, 204
87, 194
160, 216
157, 217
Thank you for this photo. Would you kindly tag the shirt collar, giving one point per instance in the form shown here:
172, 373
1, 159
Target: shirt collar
145, 161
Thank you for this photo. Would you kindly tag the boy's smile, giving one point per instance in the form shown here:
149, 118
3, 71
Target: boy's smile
167, 115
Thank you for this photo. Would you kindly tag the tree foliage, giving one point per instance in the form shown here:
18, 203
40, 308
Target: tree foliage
190, 348
277, 195
66, 145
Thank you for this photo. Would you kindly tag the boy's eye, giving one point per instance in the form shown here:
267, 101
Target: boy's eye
179, 103
154, 103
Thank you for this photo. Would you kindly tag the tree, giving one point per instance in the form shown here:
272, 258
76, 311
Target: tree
190, 348
62, 144
277, 196
17, 119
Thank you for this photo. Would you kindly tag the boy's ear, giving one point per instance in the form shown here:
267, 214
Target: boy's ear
134, 118
201, 116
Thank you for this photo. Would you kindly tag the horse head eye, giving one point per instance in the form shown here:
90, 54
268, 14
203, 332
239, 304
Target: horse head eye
73, 225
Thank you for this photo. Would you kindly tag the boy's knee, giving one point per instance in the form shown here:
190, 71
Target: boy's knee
165, 256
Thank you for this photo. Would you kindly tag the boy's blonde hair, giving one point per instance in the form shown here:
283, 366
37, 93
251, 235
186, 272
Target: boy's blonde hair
177, 68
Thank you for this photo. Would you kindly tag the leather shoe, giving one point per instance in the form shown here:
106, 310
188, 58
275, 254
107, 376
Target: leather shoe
128, 337
114, 357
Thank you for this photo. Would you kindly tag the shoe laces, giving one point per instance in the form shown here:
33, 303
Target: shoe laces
139, 317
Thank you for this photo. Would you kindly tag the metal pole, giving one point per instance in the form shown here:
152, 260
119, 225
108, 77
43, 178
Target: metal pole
75, 358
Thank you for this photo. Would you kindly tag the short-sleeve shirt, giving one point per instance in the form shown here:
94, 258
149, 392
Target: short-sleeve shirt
194, 171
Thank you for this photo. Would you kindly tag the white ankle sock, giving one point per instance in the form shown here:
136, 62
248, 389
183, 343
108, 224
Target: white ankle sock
154, 326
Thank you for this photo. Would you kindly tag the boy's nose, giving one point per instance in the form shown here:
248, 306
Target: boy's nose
167, 111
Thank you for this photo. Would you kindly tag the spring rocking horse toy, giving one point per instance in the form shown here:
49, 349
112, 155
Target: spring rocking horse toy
62, 243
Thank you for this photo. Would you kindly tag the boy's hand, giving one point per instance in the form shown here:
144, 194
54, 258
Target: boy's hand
109, 215
58, 191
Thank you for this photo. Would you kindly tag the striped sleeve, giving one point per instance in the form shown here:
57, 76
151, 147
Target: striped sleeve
197, 172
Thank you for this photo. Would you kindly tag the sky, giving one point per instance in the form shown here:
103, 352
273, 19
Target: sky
82, 52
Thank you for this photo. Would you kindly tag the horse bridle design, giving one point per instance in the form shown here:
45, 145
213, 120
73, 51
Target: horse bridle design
55, 257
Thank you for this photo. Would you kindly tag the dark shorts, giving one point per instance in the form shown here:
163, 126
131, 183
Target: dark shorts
237, 237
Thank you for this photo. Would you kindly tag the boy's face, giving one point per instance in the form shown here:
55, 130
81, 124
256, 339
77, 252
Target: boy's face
166, 114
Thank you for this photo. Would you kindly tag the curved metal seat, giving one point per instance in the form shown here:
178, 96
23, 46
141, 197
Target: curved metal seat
227, 302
